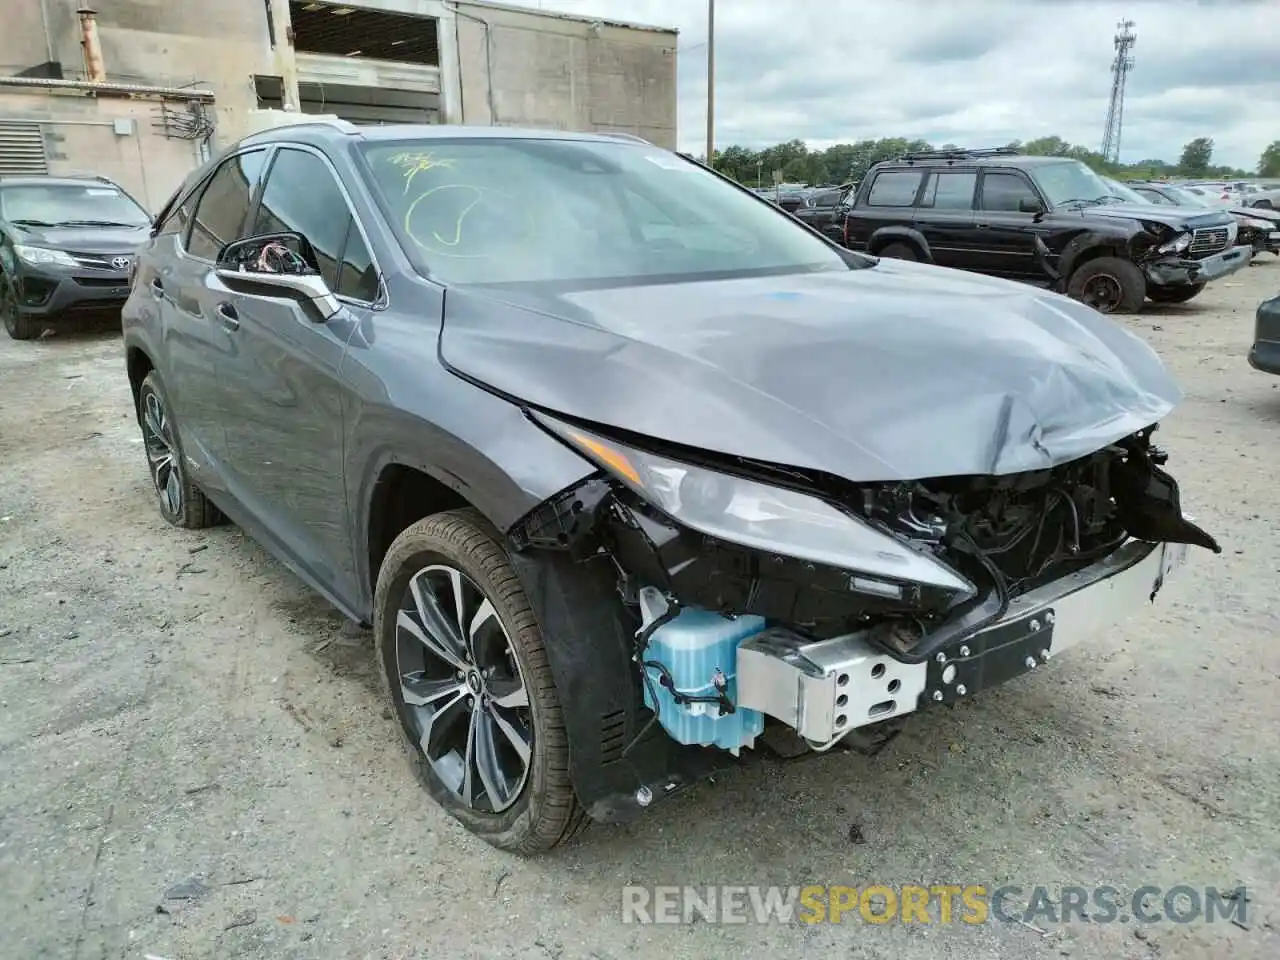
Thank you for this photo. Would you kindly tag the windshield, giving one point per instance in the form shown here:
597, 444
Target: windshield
69, 204
532, 210
1071, 180
1183, 198
1125, 193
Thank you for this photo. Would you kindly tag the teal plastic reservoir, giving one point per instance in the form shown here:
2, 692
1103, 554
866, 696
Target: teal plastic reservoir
694, 646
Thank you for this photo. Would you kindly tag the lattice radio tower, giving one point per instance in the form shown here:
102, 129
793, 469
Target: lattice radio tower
1124, 40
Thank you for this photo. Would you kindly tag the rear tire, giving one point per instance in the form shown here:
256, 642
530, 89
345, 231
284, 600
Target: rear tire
1109, 285
900, 251
181, 502
479, 685
1180, 294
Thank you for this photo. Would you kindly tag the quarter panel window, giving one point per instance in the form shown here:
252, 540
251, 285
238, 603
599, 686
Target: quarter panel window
224, 205
1004, 191
950, 190
894, 188
302, 196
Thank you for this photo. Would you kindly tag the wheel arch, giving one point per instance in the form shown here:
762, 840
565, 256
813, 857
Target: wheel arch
138, 363
396, 489
1087, 246
898, 233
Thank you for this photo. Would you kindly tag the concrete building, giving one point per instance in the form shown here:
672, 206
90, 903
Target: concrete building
141, 90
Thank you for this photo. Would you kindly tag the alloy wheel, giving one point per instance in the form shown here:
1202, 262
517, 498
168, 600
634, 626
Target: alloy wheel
1103, 293
464, 693
162, 458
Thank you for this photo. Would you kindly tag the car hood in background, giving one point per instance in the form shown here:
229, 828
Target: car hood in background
900, 371
106, 240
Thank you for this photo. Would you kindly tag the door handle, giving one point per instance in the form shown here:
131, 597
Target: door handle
157, 288
228, 316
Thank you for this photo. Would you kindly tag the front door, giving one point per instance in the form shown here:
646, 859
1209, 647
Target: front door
195, 338
282, 378
1007, 233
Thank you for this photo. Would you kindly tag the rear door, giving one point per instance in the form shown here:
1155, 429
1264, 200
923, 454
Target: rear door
196, 339
947, 219
888, 200
281, 375
1006, 233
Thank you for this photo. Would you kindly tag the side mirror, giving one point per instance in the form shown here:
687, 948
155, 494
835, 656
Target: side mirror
277, 265
1030, 205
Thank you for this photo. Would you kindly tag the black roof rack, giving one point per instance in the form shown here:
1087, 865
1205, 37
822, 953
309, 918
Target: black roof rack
961, 153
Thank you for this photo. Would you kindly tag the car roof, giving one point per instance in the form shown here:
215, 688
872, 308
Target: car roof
327, 131
37, 180
959, 160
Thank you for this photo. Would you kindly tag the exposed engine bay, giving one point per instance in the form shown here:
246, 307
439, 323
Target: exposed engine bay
729, 633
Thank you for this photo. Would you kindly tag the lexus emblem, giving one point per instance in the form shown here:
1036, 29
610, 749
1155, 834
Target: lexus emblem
121, 263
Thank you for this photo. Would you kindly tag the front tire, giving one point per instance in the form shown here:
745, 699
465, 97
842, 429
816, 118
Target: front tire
1109, 285
465, 666
181, 502
15, 324
1180, 294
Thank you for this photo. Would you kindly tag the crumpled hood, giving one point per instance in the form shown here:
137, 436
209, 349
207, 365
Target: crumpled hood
1184, 218
900, 371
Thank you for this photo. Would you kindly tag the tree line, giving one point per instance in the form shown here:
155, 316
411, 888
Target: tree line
845, 162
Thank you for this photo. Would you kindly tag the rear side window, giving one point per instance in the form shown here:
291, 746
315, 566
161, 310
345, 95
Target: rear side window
1004, 191
224, 206
949, 190
302, 196
894, 188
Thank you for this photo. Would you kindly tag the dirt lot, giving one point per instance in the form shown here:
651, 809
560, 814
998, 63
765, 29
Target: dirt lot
177, 707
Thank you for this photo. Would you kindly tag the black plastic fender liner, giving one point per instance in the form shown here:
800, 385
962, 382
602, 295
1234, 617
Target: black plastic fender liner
900, 233
589, 636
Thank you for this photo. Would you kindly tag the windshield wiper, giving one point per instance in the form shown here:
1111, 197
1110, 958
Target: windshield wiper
1084, 200
97, 223
33, 223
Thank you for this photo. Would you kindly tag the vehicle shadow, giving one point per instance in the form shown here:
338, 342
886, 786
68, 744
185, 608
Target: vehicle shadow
81, 329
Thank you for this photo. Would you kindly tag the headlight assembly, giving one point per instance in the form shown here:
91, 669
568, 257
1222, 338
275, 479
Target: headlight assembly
1178, 244
43, 255
761, 516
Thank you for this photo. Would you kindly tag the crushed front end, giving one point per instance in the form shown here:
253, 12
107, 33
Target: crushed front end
761, 597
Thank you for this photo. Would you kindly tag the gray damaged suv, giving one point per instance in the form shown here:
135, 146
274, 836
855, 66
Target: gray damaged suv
630, 471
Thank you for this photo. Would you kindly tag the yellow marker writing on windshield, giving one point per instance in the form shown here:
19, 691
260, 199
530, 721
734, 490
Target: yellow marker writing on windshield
411, 164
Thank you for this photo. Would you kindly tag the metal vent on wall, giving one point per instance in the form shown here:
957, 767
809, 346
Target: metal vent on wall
344, 31
22, 148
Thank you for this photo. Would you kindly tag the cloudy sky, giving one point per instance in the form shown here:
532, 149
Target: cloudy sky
973, 72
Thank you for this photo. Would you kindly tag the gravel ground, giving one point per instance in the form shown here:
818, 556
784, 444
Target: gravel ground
176, 710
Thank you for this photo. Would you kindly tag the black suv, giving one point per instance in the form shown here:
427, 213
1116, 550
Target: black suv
1047, 220
66, 249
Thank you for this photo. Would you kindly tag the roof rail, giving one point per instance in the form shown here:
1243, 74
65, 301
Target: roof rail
624, 136
960, 153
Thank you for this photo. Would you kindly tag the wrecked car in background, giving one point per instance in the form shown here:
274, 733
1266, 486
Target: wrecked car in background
1042, 220
628, 469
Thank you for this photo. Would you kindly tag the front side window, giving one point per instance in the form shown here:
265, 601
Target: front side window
302, 196
70, 204
950, 190
894, 188
492, 210
1005, 191
223, 207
